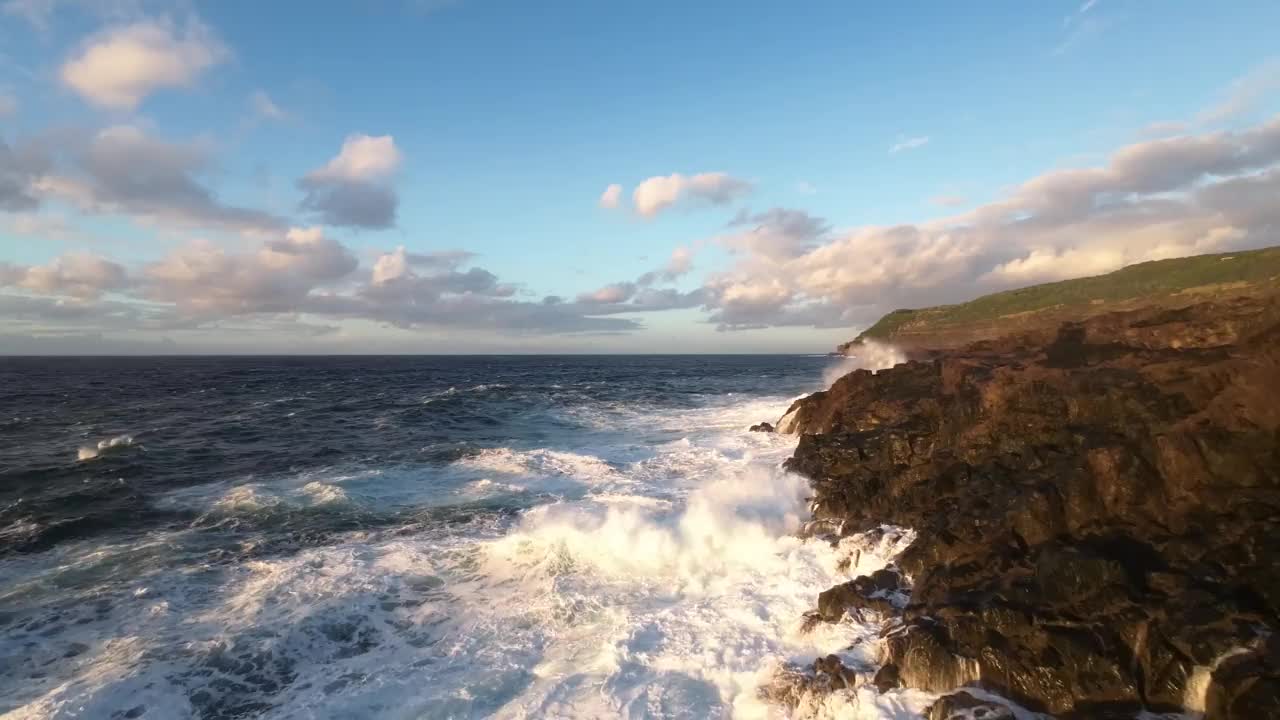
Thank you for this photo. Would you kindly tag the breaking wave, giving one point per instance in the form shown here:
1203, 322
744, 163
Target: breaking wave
605, 558
89, 452
868, 355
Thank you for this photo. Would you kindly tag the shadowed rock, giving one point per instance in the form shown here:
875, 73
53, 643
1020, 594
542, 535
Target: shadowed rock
1097, 508
963, 706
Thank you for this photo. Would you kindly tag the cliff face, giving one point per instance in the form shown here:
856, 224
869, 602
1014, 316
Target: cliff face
1097, 507
1168, 283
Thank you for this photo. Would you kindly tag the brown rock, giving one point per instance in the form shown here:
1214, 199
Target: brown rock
1097, 508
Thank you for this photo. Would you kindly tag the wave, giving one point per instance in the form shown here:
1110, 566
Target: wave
872, 355
454, 390
540, 469
662, 575
89, 452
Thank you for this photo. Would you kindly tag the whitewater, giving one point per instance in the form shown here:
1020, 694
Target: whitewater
651, 564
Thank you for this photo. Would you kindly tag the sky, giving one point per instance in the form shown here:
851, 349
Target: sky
527, 176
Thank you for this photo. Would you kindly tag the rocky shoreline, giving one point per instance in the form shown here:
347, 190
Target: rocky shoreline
1096, 508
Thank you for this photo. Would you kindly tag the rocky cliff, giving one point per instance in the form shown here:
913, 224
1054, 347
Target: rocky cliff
1171, 283
1097, 509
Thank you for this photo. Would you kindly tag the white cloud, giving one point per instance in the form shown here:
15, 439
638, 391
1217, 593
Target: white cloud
363, 158
204, 279
354, 188
77, 275
610, 197
681, 262
612, 293
391, 266
301, 273
1153, 200
264, 107
123, 170
908, 144
1245, 93
120, 67
658, 193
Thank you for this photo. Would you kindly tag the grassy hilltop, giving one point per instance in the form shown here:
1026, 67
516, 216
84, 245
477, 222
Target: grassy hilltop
1176, 281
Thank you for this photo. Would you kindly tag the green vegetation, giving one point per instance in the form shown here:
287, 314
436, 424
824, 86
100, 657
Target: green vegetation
1145, 280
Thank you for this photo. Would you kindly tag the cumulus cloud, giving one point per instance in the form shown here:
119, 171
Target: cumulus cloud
78, 275
612, 293
353, 189
775, 234
300, 273
122, 170
640, 295
611, 196
662, 192
1152, 200
120, 67
279, 277
362, 159
904, 144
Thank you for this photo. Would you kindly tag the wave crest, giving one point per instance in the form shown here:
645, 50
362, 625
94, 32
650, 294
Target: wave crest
89, 452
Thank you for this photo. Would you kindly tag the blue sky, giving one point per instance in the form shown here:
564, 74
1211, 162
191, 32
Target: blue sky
834, 160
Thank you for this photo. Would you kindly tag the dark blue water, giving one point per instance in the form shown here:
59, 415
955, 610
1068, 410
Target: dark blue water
236, 537
193, 421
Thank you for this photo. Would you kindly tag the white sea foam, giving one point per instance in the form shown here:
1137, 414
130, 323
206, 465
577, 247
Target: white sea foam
89, 452
667, 580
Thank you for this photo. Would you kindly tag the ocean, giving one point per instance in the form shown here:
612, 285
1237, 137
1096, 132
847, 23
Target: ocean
411, 537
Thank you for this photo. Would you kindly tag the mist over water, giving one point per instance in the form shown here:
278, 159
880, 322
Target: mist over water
409, 537
868, 355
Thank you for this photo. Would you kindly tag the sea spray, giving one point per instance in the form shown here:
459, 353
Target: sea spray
89, 452
872, 355
868, 355
485, 562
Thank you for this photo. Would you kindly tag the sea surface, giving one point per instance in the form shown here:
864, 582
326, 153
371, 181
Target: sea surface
410, 537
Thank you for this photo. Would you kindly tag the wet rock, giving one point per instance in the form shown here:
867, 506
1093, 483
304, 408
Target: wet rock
838, 675
876, 592
1097, 508
792, 686
963, 706
762, 427
887, 678
1246, 685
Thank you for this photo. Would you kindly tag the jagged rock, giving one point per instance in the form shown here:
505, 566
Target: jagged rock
873, 592
1246, 685
963, 706
1097, 508
828, 674
839, 676
761, 427
887, 678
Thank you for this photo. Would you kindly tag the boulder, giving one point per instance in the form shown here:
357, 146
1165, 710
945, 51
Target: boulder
964, 706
